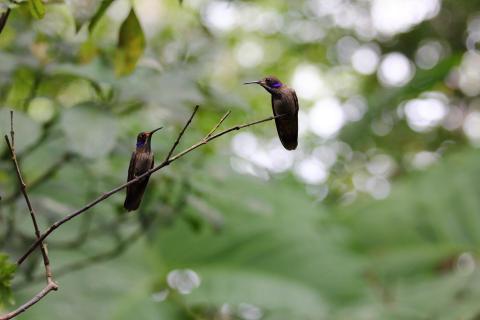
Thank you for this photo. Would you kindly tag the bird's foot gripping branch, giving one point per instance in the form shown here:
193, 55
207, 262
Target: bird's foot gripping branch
41, 237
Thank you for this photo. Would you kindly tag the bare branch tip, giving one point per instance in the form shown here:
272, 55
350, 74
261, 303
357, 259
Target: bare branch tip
180, 135
227, 114
12, 132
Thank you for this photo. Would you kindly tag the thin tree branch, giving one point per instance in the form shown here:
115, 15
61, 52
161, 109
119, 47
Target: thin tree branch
239, 127
179, 137
12, 132
23, 187
51, 285
30, 209
217, 125
165, 163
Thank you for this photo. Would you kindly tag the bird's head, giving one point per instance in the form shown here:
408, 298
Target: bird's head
270, 83
144, 138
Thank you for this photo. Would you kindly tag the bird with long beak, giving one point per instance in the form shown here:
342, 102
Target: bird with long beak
284, 103
141, 161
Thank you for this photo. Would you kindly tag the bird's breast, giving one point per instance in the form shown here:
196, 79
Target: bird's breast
143, 162
282, 105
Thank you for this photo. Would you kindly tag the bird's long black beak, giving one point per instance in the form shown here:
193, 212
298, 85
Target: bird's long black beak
252, 82
153, 131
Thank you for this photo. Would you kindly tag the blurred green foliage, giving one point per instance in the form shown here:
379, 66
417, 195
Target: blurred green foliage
7, 271
374, 216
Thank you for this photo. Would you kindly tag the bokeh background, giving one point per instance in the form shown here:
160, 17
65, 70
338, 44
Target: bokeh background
376, 215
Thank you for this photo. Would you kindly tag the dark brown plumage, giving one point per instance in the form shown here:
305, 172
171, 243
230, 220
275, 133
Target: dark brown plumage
141, 161
284, 102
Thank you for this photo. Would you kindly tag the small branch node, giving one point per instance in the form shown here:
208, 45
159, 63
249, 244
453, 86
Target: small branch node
225, 116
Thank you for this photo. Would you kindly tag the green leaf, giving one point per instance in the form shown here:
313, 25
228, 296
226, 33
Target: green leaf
37, 9
99, 14
131, 44
90, 131
7, 271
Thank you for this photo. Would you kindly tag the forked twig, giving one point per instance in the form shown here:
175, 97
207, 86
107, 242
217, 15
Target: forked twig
225, 116
51, 285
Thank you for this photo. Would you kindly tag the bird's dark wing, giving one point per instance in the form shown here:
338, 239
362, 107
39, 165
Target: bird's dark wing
136, 190
151, 167
131, 172
287, 125
294, 94
273, 107
131, 167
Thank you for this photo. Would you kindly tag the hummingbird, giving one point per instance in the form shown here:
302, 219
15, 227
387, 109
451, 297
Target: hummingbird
284, 102
141, 161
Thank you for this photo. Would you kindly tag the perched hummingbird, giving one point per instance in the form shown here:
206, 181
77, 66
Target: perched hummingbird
284, 102
141, 162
